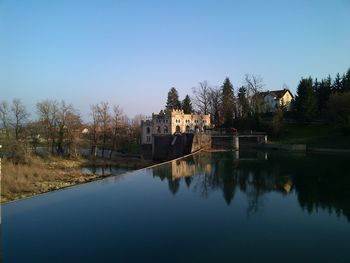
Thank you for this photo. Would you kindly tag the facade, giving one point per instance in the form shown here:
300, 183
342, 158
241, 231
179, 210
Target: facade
169, 123
275, 98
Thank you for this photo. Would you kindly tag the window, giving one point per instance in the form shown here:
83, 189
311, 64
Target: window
158, 130
165, 129
148, 138
148, 130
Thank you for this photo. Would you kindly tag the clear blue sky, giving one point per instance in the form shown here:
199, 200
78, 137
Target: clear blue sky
131, 52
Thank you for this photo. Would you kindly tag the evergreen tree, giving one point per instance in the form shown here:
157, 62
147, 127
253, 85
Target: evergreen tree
187, 105
323, 91
337, 84
243, 102
227, 103
305, 100
173, 100
346, 81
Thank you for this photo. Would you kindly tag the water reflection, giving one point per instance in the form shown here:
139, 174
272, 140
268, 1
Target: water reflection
103, 170
318, 181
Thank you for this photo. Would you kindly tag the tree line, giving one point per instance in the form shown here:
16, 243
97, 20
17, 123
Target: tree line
221, 102
327, 100
60, 130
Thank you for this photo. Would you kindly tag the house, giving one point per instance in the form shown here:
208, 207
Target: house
275, 98
171, 122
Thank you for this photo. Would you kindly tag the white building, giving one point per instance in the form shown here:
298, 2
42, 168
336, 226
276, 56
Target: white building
176, 121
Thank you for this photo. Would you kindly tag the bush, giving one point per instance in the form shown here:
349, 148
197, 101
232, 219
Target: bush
339, 105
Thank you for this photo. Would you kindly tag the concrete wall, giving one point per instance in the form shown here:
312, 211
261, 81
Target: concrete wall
167, 147
200, 141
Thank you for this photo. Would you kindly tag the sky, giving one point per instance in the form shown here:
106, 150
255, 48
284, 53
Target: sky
130, 53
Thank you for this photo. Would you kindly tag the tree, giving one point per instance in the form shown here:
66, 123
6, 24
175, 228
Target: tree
94, 129
173, 100
201, 97
116, 124
48, 116
68, 121
337, 84
227, 103
305, 100
187, 105
346, 81
254, 85
20, 115
243, 102
340, 110
323, 91
277, 120
104, 120
5, 117
215, 101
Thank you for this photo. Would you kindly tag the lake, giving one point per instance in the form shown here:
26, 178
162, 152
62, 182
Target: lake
208, 207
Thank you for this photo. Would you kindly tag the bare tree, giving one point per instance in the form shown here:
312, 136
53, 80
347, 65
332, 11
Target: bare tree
20, 115
254, 85
104, 119
5, 117
68, 121
215, 101
94, 129
202, 97
48, 111
116, 123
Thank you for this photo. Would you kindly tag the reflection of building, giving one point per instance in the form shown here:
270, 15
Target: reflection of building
175, 121
182, 168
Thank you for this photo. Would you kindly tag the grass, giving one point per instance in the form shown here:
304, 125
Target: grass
314, 135
40, 175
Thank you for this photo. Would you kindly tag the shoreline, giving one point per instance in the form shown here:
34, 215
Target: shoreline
41, 176
99, 163
301, 148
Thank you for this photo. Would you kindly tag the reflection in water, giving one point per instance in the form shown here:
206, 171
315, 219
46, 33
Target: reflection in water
103, 170
318, 181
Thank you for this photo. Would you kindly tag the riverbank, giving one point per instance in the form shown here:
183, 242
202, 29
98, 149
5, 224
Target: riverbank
41, 175
313, 136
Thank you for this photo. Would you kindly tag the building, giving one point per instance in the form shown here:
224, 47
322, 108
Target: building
275, 98
173, 122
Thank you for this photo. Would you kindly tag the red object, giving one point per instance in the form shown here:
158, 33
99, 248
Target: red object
234, 131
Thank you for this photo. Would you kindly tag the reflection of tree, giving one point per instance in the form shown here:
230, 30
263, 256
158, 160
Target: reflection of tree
174, 185
316, 185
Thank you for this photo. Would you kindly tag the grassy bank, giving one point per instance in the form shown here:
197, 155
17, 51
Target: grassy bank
313, 135
40, 175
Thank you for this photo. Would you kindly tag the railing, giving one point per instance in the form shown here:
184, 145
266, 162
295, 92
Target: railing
234, 132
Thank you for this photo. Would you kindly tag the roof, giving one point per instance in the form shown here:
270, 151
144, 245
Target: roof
276, 93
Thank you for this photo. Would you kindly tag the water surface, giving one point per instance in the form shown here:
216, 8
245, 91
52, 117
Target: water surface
210, 207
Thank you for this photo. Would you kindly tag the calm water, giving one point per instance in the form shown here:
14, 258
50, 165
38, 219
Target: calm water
211, 207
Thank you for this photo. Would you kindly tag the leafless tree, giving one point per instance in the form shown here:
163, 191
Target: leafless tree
254, 85
5, 117
20, 115
94, 129
202, 97
116, 124
104, 119
215, 101
48, 111
68, 121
